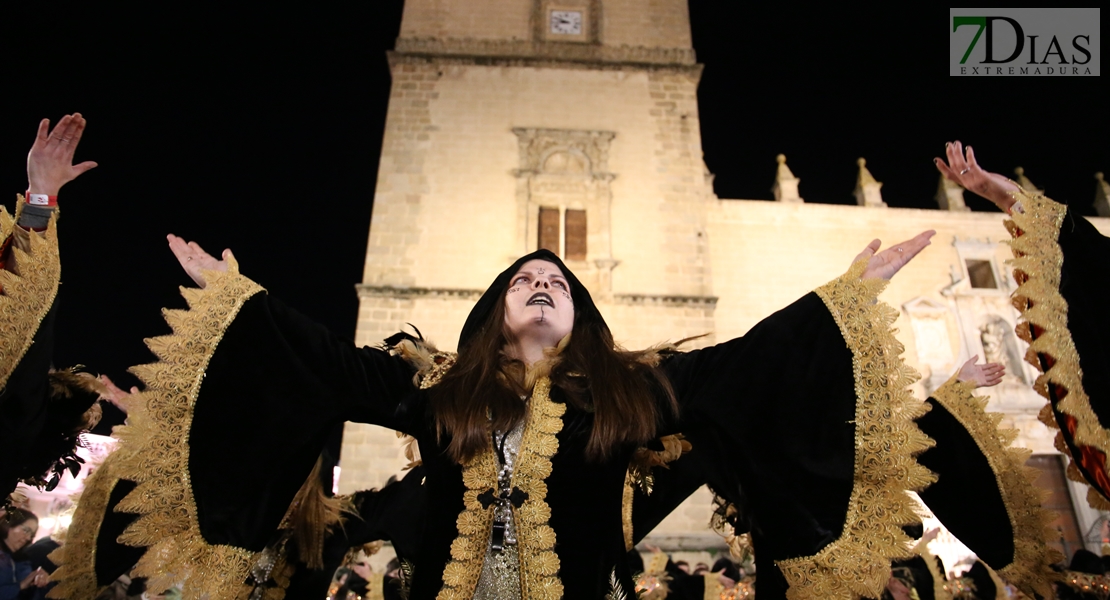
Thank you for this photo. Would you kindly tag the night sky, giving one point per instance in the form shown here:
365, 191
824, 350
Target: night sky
261, 132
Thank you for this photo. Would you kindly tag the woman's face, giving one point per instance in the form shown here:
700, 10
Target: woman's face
21, 535
538, 305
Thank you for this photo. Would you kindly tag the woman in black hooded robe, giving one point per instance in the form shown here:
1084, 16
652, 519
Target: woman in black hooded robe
817, 387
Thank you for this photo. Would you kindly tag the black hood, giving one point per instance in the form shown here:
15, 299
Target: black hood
585, 311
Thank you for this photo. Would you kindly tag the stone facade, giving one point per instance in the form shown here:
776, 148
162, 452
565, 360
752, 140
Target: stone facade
493, 117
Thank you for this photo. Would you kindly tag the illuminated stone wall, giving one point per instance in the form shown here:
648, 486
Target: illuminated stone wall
490, 119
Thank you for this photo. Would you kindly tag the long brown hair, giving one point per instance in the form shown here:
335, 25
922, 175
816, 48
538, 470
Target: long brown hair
622, 389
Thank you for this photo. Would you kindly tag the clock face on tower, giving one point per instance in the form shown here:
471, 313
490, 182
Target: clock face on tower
566, 22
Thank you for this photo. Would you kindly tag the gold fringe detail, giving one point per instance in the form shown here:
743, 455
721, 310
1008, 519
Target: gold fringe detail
640, 474
430, 363
644, 460
1037, 264
76, 559
858, 563
154, 450
539, 565
26, 298
1030, 569
626, 511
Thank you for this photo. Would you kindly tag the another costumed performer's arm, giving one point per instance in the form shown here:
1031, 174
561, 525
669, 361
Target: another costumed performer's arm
41, 411
1060, 264
243, 397
973, 458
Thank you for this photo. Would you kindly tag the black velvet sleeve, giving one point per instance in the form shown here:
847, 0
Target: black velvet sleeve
771, 414
274, 387
1085, 285
806, 424
964, 475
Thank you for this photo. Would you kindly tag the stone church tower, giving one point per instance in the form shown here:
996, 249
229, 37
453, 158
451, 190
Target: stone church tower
519, 124
573, 125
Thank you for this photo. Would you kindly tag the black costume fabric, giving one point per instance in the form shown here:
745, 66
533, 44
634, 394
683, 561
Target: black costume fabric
395, 514
1060, 265
246, 377
965, 477
1008, 528
24, 411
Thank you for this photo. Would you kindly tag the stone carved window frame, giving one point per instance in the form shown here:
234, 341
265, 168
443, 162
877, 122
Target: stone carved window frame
587, 188
929, 316
982, 250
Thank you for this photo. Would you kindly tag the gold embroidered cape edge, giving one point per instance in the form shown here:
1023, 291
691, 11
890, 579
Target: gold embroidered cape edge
1030, 569
1038, 260
76, 559
154, 451
26, 298
857, 564
539, 565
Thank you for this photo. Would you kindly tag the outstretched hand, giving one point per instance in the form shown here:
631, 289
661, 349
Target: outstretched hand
984, 375
962, 168
194, 259
888, 262
115, 394
50, 161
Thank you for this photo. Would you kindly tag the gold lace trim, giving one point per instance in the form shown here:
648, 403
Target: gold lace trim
25, 299
539, 565
1030, 569
76, 559
640, 476
858, 563
154, 449
1038, 260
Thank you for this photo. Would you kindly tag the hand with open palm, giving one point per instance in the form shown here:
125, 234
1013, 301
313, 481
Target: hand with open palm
195, 260
984, 375
962, 168
50, 161
883, 265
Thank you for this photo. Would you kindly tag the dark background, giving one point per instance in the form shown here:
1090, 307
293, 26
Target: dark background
261, 131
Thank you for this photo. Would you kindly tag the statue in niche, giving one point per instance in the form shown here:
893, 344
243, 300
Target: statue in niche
998, 347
